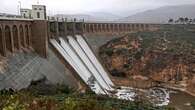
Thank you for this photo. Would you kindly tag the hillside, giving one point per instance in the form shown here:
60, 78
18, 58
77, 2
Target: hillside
162, 58
161, 15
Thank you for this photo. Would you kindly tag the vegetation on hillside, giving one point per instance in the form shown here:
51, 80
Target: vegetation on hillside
182, 20
64, 98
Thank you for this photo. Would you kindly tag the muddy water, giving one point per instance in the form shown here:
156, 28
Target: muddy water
181, 101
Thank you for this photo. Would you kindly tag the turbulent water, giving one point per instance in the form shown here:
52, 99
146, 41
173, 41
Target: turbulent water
159, 97
156, 96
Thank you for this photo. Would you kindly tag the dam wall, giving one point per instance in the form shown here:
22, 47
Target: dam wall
23, 68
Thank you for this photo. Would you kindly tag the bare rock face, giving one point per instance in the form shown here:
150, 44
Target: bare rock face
151, 61
191, 85
117, 62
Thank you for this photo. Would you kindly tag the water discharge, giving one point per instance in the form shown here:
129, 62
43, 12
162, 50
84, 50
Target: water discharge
88, 62
93, 58
79, 55
79, 70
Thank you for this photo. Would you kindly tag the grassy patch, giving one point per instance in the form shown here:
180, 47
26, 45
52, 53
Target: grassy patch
26, 100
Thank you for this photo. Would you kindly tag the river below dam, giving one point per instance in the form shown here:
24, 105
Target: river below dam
159, 97
181, 100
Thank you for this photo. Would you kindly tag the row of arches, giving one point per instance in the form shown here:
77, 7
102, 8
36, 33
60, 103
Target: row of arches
115, 27
14, 37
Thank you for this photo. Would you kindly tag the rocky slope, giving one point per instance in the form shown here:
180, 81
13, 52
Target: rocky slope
162, 58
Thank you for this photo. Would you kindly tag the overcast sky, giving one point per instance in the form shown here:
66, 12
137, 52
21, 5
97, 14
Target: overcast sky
83, 6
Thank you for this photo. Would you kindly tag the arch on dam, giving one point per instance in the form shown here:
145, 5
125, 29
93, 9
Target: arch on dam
100, 27
21, 36
115, 27
111, 27
91, 28
103, 27
107, 28
146, 26
132, 27
85, 27
88, 28
1, 41
125, 27
120, 27
96, 28
129, 27
27, 35
30, 35
142, 26
8, 39
15, 37
137, 26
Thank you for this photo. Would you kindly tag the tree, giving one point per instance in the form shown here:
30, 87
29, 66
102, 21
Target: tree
193, 21
186, 19
177, 21
190, 21
181, 20
170, 20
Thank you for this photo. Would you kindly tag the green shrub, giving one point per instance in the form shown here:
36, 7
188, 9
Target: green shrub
24, 100
13, 103
109, 51
193, 104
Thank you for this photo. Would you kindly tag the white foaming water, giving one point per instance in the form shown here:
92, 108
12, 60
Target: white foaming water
87, 62
93, 58
162, 96
126, 93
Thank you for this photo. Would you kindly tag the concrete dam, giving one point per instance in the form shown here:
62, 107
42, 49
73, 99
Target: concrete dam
68, 59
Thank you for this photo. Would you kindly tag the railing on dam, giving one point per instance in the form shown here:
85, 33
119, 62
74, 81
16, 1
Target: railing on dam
64, 27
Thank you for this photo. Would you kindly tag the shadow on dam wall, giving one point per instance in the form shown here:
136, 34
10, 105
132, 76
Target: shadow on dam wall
97, 40
23, 68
